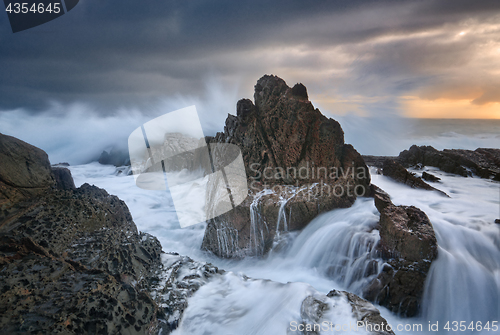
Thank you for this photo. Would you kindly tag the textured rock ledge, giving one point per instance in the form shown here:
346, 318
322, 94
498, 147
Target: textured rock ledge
72, 260
484, 162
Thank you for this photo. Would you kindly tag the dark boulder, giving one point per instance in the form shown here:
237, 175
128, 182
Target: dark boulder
23, 165
115, 157
406, 232
428, 156
25, 172
381, 198
408, 245
63, 178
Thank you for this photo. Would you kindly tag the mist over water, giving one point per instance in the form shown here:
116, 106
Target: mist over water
78, 133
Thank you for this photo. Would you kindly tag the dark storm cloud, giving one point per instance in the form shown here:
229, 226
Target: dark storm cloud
121, 53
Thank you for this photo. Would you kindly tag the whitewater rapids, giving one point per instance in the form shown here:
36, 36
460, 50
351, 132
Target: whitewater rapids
335, 251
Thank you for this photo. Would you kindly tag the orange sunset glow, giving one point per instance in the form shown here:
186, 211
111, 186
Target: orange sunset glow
449, 109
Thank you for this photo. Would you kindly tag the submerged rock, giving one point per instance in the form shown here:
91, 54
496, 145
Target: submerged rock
430, 177
377, 161
179, 278
398, 173
285, 142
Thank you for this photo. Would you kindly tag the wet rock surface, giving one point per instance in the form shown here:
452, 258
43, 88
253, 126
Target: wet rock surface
284, 142
408, 244
24, 172
430, 177
178, 280
23, 165
484, 162
397, 172
364, 311
73, 262
253, 227
314, 310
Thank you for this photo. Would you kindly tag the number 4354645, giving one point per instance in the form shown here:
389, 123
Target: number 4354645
34, 8
473, 326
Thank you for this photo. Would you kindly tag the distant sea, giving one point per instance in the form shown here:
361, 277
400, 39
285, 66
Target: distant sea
388, 136
452, 127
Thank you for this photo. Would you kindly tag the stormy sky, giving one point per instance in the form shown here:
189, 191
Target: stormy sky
436, 58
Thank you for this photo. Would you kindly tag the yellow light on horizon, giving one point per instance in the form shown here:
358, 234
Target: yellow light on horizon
449, 109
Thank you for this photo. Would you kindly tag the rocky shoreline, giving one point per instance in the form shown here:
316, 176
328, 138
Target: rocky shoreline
72, 260
282, 131
482, 162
